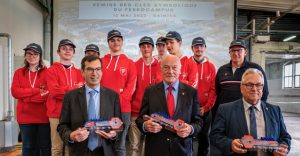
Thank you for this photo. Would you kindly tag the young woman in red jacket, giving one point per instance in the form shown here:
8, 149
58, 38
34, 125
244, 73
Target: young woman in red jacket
29, 88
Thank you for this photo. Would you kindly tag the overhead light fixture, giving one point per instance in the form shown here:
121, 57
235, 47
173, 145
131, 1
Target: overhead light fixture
289, 38
277, 13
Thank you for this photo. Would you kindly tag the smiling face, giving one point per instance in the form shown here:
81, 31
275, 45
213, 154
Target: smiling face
66, 52
170, 67
115, 44
198, 50
252, 87
32, 57
237, 54
92, 73
146, 50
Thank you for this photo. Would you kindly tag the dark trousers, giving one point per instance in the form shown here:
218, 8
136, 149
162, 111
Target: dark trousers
35, 139
203, 136
97, 152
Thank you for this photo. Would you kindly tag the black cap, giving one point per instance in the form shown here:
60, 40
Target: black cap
173, 35
35, 47
160, 40
238, 42
198, 40
92, 47
66, 42
146, 39
114, 33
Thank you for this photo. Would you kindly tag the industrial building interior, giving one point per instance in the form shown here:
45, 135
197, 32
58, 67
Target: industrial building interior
271, 29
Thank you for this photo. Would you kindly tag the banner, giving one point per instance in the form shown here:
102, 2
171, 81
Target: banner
145, 9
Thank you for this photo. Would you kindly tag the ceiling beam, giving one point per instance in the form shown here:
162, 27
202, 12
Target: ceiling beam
290, 6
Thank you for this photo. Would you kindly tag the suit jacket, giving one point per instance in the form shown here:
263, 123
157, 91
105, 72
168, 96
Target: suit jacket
167, 143
74, 115
230, 123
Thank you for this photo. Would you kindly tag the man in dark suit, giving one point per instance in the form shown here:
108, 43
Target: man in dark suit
179, 101
249, 116
79, 106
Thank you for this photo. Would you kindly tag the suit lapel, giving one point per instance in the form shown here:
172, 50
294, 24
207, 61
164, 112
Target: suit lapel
240, 114
102, 102
267, 116
162, 95
181, 98
82, 103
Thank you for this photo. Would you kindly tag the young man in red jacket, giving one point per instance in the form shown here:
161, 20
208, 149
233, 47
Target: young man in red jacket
92, 49
161, 48
189, 73
206, 92
119, 74
148, 73
62, 77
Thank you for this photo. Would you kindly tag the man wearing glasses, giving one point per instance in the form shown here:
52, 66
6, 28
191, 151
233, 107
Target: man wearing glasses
249, 115
228, 78
89, 102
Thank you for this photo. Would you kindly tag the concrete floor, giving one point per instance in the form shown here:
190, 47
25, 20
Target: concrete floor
292, 122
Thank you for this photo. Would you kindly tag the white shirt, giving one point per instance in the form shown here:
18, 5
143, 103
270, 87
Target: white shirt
260, 121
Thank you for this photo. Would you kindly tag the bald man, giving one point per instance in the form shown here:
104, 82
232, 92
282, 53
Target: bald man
179, 101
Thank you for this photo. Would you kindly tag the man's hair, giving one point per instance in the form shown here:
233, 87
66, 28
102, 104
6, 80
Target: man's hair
253, 71
89, 59
166, 57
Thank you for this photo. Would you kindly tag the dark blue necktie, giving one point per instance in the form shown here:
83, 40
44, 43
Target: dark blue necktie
93, 138
253, 130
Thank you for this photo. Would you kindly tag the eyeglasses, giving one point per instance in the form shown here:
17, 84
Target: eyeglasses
251, 85
32, 54
91, 70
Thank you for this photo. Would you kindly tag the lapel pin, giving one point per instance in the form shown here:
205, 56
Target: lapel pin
183, 93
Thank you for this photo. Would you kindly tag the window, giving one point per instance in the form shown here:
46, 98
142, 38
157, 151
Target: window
291, 75
288, 76
297, 75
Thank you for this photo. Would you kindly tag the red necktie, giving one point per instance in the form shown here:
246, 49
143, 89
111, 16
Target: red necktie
170, 101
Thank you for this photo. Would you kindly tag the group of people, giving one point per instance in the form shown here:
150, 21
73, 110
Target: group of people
54, 103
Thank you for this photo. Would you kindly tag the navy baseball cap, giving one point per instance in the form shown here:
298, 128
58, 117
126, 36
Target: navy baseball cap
160, 40
173, 35
146, 39
198, 40
35, 47
66, 42
238, 42
92, 47
114, 33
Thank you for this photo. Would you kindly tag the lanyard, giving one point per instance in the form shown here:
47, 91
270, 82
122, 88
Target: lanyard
32, 84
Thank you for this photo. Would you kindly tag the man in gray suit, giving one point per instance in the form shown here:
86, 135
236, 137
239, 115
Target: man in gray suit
249, 116
88, 102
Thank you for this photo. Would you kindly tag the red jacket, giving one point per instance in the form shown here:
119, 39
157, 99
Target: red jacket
59, 81
206, 84
119, 74
31, 105
189, 72
146, 75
